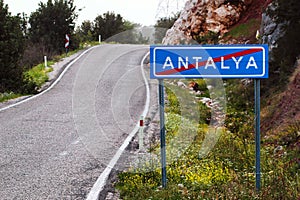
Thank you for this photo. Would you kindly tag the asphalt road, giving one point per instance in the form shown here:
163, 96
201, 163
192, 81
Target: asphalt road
56, 145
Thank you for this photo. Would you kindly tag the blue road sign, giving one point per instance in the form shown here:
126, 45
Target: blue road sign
215, 61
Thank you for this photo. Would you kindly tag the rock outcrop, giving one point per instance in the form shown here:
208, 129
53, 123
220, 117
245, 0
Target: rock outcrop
271, 29
280, 30
203, 17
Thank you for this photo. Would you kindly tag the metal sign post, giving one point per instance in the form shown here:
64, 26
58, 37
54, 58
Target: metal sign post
257, 133
210, 61
162, 132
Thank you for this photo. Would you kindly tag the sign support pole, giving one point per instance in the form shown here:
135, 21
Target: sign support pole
257, 134
162, 133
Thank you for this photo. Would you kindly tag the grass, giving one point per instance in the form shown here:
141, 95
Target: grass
244, 30
89, 44
37, 76
225, 172
8, 95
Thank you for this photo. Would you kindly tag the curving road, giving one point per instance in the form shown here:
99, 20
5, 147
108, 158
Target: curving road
55, 146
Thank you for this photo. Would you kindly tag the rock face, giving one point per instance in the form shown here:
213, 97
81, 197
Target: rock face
280, 30
201, 17
271, 30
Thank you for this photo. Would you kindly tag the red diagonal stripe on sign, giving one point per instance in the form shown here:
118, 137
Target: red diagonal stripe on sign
217, 59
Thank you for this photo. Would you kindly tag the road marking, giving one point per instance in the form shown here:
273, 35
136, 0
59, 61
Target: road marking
101, 181
52, 85
64, 153
75, 142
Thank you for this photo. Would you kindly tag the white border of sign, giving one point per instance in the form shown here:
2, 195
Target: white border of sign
209, 76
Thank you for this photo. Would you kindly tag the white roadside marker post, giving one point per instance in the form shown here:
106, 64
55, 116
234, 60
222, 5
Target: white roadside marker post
45, 60
141, 134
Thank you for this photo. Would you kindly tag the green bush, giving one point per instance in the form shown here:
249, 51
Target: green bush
35, 78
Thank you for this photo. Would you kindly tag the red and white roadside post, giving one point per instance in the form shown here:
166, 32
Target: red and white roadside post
141, 134
67, 43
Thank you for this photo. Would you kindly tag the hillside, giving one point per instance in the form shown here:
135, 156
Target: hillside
227, 171
211, 21
252, 14
254, 10
284, 109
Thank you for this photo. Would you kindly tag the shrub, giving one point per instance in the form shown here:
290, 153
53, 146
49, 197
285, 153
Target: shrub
35, 78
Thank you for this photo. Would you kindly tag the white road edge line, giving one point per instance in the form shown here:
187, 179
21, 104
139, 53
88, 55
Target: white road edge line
52, 85
101, 181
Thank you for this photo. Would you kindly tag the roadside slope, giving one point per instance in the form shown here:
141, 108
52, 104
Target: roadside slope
284, 109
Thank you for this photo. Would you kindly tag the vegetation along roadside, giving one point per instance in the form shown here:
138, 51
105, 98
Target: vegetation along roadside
227, 171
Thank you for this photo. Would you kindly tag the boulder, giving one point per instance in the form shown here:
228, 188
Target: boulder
200, 17
271, 30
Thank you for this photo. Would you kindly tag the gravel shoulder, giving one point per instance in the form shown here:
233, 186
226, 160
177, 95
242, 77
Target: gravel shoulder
133, 154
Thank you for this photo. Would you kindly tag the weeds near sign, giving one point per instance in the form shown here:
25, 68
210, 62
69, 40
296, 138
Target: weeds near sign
227, 172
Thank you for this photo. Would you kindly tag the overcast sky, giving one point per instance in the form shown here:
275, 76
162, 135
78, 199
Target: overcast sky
139, 11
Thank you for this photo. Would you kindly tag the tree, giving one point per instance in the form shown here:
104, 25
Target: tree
162, 25
50, 23
12, 47
107, 25
113, 28
131, 35
84, 32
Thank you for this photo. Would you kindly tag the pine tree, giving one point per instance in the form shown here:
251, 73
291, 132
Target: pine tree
12, 47
107, 25
50, 23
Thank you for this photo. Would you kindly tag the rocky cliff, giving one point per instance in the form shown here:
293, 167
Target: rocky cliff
237, 21
280, 29
205, 17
